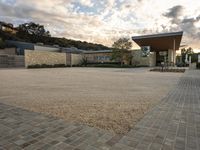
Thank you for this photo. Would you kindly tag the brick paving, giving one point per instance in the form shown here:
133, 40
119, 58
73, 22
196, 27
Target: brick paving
174, 124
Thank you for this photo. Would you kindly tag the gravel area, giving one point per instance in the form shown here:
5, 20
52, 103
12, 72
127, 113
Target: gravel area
111, 99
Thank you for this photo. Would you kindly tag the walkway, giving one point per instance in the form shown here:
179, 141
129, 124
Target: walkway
174, 124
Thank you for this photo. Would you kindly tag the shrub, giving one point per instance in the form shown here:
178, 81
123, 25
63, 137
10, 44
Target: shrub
59, 65
168, 70
112, 65
45, 66
198, 65
2, 44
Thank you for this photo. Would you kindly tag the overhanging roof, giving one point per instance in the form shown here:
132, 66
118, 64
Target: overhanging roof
160, 42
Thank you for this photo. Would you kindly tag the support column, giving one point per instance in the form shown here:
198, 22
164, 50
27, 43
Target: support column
174, 52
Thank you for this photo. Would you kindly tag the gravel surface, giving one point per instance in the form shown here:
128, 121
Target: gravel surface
111, 99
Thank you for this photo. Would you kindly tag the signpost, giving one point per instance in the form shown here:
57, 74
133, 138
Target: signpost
145, 51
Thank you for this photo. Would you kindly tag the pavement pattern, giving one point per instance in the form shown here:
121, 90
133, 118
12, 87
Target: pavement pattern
173, 124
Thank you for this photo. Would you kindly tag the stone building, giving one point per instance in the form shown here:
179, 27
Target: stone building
162, 48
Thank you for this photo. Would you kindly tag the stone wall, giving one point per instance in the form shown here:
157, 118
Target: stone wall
152, 59
138, 60
76, 59
44, 57
73, 59
7, 61
68, 59
8, 51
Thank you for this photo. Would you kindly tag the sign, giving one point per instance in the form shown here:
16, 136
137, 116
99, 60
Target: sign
145, 51
163, 53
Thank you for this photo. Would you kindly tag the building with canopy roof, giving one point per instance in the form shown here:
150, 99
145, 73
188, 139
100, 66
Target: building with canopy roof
162, 47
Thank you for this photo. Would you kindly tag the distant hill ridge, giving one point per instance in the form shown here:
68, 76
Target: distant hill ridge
47, 40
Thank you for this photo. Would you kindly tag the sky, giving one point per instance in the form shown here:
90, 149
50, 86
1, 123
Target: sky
105, 21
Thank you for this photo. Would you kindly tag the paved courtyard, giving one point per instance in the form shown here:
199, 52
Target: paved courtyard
105, 98
173, 124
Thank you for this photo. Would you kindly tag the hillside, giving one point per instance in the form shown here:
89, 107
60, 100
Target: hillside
62, 42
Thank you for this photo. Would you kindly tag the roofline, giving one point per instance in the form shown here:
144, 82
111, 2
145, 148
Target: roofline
34, 44
99, 51
158, 35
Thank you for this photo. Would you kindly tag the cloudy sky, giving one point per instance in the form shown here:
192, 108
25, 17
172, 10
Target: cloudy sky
104, 21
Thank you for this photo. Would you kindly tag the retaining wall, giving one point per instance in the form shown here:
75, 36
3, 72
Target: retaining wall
44, 57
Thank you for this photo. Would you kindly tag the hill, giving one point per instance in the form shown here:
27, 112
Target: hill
23, 36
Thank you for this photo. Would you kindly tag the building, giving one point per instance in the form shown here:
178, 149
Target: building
6, 27
22, 46
101, 56
37, 53
158, 48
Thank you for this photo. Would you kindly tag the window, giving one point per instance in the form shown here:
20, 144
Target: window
103, 58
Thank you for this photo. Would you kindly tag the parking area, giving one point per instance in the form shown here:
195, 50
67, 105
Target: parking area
105, 98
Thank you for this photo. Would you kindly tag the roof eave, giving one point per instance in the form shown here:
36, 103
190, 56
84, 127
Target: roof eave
158, 35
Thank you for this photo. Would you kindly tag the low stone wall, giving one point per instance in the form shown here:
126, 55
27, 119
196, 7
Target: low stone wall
44, 57
138, 60
73, 59
7, 61
8, 51
76, 59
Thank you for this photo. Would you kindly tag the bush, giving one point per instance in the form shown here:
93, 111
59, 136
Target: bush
168, 70
45, 66
59, 65
34, 66
181, 64
2, 44
198, 65
109, 65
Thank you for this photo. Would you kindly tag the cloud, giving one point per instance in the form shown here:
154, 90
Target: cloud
106, 20
88, 3
174, 13
180, 21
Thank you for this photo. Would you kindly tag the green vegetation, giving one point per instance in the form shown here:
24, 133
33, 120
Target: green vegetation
112, 66
109, 65
185, 52
2, 44
168, 70
121, 51
33, 29
84, 61
181, 59
46, 66
198, 65
36, 33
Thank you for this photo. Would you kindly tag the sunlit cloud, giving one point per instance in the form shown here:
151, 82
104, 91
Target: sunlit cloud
107, 20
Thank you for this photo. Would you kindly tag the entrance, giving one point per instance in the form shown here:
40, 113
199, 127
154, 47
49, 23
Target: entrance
161, 57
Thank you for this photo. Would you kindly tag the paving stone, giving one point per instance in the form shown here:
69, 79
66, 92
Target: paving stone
173, 124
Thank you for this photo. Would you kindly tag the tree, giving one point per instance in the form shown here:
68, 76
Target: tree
33, 29
2, 44
185, 51
121, 50
84, 61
